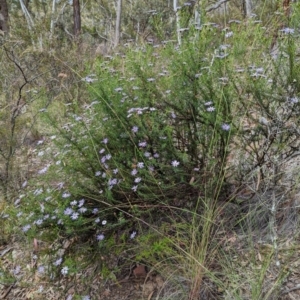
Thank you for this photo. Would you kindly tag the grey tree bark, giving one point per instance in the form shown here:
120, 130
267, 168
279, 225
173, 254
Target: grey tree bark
247, 4
118, 23
4, 26
76, 17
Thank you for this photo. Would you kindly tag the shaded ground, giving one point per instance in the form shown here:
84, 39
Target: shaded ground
28, 282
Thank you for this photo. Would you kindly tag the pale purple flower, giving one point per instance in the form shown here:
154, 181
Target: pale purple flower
140, 165
70, 297
44, 170
104, 222
64, 270
151, 79
41, 269
133, 234
210, 109
294, 100
108, 156
24, 184
82, 210
112, 181
81, 202
115, 171
17, 270
66, 195
75, 216
143, 144
228, 34
98, 173
156, 155
58, 262
225, 127
134, 188
288, 30
26, 228
100, 237
97, 220
147, 154
86, 297
39, 222
175, 163
73, 203
38, 192
135, 129
102, 151
68, 211
209, 103
137, 180
105, 141
95, 210
134, 172
119, 89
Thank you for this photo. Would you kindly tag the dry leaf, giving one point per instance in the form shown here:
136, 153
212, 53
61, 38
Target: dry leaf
139, 271
259, 256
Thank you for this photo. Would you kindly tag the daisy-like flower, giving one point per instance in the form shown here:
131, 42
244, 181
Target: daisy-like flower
225, 127
82, 210
58, 262
210, 109
81, 202
100, 237
75, 216
133, 234
134, 172
41, 269
175, 163
134, 188
73, 203
228, 34
137, 180
66, 195
105, 141
97, 220
140, 165
26, 228
143, 144
95, 210
135, 129
64, 270
39, 222
104, 222
68, 211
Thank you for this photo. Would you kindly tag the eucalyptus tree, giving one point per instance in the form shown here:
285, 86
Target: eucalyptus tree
76, 17
4, 16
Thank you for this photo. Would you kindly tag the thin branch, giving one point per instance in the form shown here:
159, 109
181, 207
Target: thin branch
216, 6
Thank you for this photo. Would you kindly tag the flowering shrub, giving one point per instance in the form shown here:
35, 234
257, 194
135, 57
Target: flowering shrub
158, 133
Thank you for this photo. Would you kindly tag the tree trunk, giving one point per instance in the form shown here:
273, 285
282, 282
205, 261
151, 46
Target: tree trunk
176, 10
118, 23
4, 16
247, 8
76, 17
